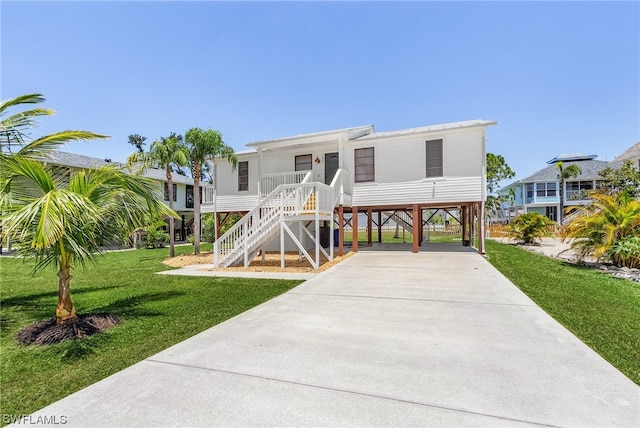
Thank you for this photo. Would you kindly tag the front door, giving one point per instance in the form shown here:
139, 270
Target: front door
330, 166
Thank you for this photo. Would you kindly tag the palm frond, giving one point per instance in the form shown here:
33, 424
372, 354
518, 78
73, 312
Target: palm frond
48, 143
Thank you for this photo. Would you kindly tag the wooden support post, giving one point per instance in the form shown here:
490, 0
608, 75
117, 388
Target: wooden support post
354, 228
340, 230
416, 229
463, 215
419, 223
217, 225
481, 228
369, 227
380, 226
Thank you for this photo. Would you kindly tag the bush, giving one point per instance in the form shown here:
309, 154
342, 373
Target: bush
625, 252
529, 227
155, 236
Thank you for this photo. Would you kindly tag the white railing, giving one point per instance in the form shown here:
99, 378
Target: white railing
270, 182
287, 200
208, 194
341, 185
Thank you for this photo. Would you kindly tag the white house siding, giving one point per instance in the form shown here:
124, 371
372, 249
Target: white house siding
227, 176
228, 203
427, 191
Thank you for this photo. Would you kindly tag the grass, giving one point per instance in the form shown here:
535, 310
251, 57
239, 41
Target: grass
388, 236
158, 311
601, 310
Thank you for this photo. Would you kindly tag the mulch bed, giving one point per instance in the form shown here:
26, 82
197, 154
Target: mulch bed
47, 332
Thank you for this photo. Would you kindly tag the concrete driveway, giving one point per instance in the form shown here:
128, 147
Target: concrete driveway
382, 339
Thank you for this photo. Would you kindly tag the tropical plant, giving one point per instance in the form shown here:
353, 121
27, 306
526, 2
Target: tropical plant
565, 173
608, 228
167, 152
62, 222
203, 145
529, 227
14, 136
156, 237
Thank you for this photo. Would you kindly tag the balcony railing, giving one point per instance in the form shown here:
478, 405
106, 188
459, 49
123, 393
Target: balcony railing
269, 182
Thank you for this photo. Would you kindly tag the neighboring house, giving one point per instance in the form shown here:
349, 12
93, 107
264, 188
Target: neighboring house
540, 192
296, 188
183, 195
632, 154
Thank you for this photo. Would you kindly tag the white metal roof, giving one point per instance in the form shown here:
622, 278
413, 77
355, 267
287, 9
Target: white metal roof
315, 137
428, 129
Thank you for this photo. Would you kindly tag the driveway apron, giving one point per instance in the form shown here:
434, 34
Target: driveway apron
381, 339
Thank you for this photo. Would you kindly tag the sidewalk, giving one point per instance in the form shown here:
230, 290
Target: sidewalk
382, 339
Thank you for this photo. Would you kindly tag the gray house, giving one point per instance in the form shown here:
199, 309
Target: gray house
540, 192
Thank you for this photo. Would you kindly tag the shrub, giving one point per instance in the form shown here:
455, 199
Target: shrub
529, 227
156, 237
608, 228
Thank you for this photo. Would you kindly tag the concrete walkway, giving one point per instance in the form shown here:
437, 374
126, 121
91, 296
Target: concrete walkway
382, 339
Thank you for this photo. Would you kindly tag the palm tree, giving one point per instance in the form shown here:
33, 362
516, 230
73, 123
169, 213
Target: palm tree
137, 141
62, 222
571, 171
166, 153
606, 223
203, 145
13, 129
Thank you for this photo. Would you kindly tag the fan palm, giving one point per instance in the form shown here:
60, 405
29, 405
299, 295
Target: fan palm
565, 173
608, 220
203, 145
166, 152
62, 221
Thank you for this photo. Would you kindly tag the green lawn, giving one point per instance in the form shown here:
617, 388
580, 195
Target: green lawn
388, 236
158, 311
603, 311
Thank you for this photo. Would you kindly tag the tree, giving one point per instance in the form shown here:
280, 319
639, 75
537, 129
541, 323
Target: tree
201, 146
609, 227
63, 222
625, 179
529, 227
497, 171
166, 153
14, 137
137, 141
565, 173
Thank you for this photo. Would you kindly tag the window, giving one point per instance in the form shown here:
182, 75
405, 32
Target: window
577, 190
364, 161
545, 189
304, 162
529, 191
166, 192
243, 176
188, 202
434, 158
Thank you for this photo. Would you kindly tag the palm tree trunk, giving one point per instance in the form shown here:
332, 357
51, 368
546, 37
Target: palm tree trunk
196, 207
65, 310
561, 213
172, 250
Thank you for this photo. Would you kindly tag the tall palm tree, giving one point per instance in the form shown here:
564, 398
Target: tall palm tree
63, 221
167, 152
565, 173
203, 145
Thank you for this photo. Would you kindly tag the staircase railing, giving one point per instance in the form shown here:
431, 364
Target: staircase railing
341, 185
270, 182
260, 223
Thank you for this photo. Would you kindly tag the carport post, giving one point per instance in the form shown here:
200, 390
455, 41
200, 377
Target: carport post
340, 230
354, 228
369, 226
416, 229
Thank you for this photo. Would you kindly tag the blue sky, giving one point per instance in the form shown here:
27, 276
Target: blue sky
557, 76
